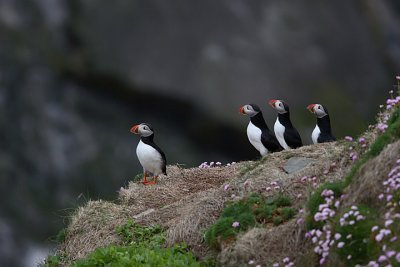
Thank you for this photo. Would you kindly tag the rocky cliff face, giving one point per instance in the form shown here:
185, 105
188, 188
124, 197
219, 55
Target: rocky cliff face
74, 76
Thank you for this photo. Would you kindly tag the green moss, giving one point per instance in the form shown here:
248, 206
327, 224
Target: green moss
248, 212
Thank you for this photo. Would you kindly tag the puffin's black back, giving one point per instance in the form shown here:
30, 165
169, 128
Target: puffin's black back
291, 135
324, 125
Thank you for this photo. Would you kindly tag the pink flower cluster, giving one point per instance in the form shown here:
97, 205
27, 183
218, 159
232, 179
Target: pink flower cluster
392, 102
313, 180
273, 186
387, 234
206, 165
351, 217
326, 239
286, 262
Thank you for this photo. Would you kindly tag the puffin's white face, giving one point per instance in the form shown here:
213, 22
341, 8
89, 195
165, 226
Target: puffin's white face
144, 129
279, 105
318, 110
249, 110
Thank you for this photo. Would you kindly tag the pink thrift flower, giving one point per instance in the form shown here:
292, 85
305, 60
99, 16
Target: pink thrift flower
349, 257
390, 253
338, 236
226, 187
322, 261
348, 138
379, 237
393, 239
268, 189
398, 77
361, 140
388, 222
286, 260
374, 228
340, 244
382, 258
235, 224
275, 264
348, 236
398, 257
251, 262
299, 221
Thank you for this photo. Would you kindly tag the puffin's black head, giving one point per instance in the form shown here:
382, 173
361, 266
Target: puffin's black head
279, 105
143, 129
319, 110
250, 109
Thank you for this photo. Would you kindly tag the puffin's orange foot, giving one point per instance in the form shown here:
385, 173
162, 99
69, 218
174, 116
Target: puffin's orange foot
149, 183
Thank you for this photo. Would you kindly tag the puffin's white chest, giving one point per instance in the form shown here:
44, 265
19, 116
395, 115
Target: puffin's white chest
315, 134
254, 135
149, 158
279, 130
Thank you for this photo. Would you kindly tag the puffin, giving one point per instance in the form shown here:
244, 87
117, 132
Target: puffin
150, 156
286, 134
322, 132
260, 136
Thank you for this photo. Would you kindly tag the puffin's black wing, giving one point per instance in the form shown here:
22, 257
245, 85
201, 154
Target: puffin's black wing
164, 166
270, 142
292, 138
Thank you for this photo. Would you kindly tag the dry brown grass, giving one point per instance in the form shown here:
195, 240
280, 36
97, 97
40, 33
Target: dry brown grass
188, 201
367, 184
93, 226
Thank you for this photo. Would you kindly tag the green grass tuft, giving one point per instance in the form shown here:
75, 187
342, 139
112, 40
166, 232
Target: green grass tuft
287, 213
316, 199
361, 246
278, 220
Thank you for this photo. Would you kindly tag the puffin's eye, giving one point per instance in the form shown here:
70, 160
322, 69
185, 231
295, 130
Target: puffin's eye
319, 107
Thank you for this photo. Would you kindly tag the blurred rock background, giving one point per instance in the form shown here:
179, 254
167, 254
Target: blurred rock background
75, 75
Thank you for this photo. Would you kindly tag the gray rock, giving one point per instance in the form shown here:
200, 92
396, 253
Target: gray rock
296, 164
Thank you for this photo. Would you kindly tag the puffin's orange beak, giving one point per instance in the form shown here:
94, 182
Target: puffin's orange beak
311, 107
241, 110
134, 129
272, 103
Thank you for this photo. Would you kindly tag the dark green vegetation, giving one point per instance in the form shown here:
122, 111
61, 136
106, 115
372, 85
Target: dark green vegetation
252, 211
142, 246
361, 245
